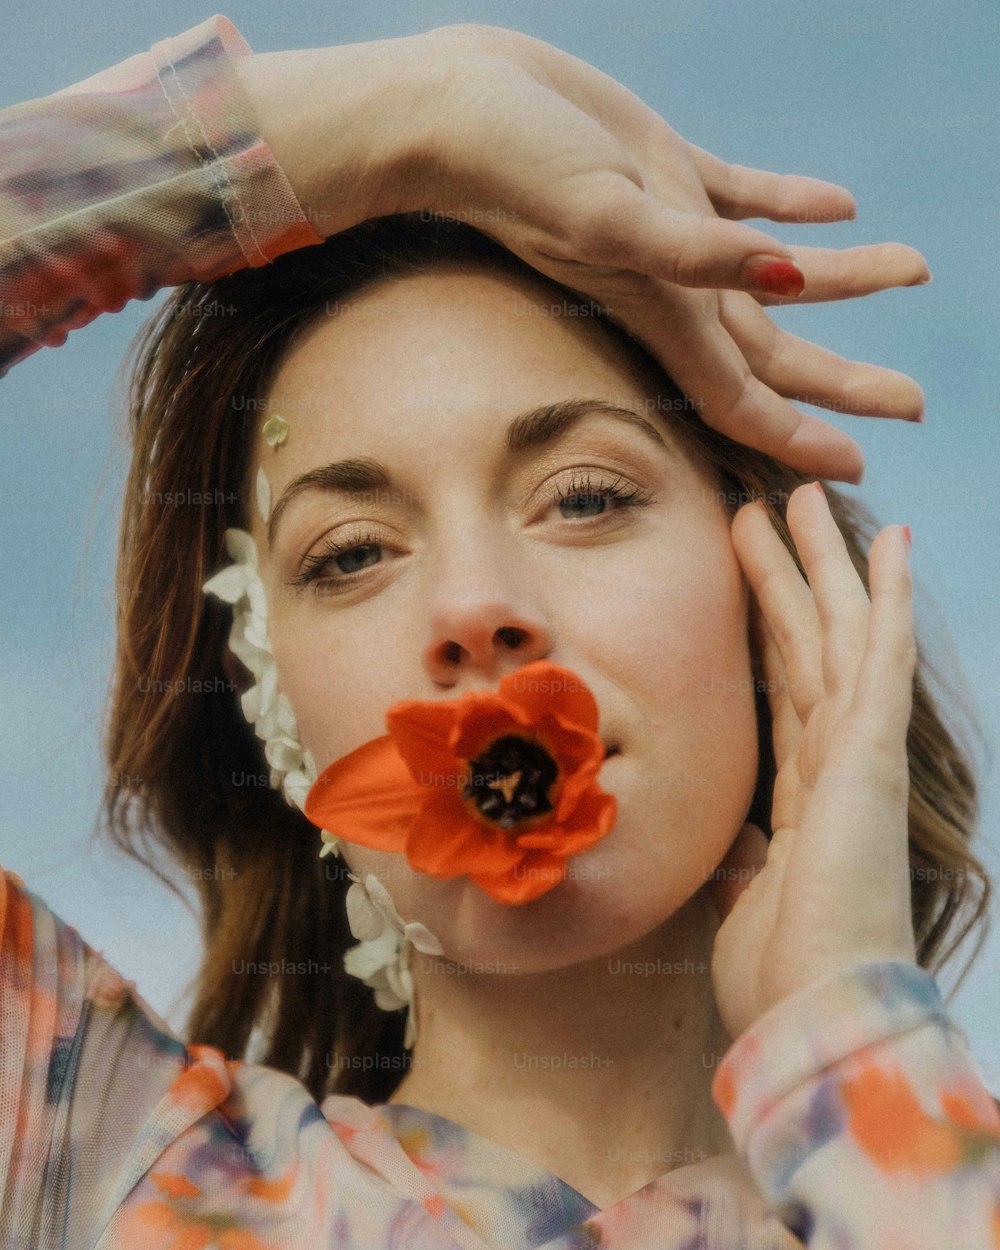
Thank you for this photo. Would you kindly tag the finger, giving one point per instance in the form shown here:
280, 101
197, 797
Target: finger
619, 225
740, 865
854, 271
802, 371
842, 603
884, 691
786, 725
785, 602
739, 191
709, 367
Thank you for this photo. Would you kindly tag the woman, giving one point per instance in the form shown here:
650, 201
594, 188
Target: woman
201, 1149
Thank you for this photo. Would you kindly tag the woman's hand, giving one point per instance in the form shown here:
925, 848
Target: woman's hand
833, 886
571, 171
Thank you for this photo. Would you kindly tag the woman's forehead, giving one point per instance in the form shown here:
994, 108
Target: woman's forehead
452, 345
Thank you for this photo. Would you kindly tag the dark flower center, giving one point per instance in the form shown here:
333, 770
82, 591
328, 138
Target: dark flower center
510, 779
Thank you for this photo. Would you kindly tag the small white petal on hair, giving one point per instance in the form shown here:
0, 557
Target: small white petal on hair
263, 496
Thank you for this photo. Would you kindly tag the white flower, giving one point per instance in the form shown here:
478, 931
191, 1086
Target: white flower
382, 957
263, 496
265, 707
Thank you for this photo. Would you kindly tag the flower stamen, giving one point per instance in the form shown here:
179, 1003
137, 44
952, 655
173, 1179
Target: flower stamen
510, 780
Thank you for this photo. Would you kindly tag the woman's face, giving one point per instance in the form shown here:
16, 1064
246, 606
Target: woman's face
469, 543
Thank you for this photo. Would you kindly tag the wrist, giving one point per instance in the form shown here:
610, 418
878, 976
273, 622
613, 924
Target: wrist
344, 125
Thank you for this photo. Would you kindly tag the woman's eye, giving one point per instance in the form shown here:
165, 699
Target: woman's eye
588, 499
350, 556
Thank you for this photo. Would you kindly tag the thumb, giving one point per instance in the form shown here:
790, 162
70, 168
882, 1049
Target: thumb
741, 863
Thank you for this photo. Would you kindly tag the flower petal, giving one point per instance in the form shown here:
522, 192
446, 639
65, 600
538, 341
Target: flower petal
367, 797
421, 731
382, 900
542, 686
592, 818
296, 786
283, 754
241, 546
263, 496
422, 938
363, 917
230, 584
539, 873
445, 841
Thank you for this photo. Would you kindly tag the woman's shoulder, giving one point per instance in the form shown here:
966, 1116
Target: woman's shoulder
86, 1059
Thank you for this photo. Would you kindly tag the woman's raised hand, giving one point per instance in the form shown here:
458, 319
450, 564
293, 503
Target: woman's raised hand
833, 886
571, 171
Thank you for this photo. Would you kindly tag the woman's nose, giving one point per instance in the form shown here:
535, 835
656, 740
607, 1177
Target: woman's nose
483, 618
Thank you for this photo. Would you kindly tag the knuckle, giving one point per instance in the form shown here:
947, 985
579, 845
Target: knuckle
600, 221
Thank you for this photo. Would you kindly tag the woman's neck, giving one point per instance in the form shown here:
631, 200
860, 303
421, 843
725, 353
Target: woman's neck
599, 1072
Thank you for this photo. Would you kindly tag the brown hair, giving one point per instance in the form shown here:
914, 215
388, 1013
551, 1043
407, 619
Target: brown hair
196, 801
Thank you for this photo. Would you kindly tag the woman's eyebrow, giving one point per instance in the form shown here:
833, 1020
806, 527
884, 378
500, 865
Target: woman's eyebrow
526, 432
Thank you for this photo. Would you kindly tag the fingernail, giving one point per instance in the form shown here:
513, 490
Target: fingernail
906, 535
777, 277
928, 277
820, 489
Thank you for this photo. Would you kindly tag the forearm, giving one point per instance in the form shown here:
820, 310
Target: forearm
148, 174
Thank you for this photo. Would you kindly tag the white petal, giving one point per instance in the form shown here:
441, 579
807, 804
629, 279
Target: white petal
286, 723
422, 938
269, 688
382, 899
372, 955
257, 598
297, 786
410, 1032
331, 842
365, 921
255, 632
230, 584
250, 702
388, 1000
397, 982
283, 754
241, 546
263, 496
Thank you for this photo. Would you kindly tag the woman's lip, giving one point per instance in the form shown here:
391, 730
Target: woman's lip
609, 751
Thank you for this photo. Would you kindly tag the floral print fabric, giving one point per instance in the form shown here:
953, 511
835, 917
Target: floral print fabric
861, 1123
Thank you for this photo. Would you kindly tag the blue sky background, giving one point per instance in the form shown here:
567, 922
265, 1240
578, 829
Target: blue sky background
898, 103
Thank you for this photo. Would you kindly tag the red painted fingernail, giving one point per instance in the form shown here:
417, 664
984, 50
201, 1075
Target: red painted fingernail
820, 489
909, 540
777, 277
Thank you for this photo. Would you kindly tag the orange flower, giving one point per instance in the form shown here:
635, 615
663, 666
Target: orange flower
500, 787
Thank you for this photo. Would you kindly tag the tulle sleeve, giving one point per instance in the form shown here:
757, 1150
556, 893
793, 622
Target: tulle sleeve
83, 1060
151, 173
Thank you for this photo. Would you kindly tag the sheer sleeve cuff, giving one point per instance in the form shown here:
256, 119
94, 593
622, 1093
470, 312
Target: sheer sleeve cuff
196, 70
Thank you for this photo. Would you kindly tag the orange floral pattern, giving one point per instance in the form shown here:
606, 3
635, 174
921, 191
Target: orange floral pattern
500, 786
